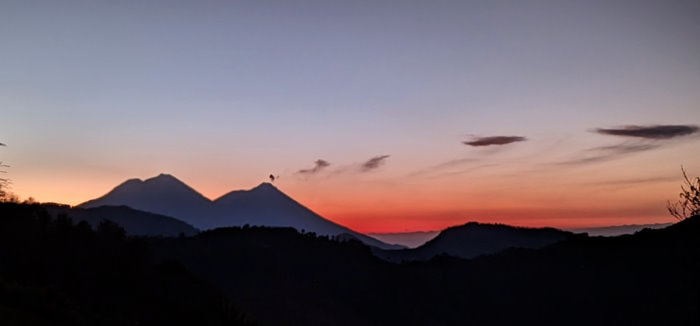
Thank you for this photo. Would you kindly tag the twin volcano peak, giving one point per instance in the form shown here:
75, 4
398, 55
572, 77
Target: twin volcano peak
167, 183
169, 196
263, 205
164, 178
161, 178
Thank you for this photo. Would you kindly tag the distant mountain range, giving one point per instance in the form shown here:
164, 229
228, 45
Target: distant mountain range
475, 239
615, 230
263, 205
134, 222
165, 206
408, 239
418, 238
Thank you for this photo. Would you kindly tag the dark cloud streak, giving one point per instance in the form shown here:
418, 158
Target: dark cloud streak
374, 163
642, 139
494, 140
650, 132
319, 165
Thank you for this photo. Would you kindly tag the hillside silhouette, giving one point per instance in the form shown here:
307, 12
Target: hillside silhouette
475, 239
264, 205
134, 222
55, 272
61, 273
288, 278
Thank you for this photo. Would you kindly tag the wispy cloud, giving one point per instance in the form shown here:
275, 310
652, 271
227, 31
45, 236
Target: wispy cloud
374, 163
493, 140
448, 173
443, 166
626, 182
650, 132
453, 163
607, 153
318, 166
641, 139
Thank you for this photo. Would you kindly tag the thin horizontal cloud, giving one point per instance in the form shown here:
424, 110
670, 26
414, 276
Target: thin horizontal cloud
443, 166
625, 148
643, 138
374, 163
632, 182
319, 165
455, 162
463, 171
494, 140
607, 153
650, 132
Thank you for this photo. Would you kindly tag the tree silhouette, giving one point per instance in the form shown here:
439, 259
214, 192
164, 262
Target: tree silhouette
689, 203
4, 182
56, 272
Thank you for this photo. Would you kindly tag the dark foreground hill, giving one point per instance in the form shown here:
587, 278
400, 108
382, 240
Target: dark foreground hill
475, 239
650, 278
134, 222
283, 277
54, 272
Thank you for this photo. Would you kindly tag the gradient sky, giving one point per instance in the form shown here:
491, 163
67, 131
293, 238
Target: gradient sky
223, 93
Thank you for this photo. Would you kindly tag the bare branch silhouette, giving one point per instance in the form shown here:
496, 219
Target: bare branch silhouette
689, 203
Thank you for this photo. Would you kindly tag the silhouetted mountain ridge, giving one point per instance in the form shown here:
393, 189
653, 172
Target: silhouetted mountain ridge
163, 194
615, 230
409, 239
581, 280
475, 239
134, 222
70, 275
263, 205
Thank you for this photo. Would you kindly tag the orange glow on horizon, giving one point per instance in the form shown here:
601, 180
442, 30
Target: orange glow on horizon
616, 194
387, 214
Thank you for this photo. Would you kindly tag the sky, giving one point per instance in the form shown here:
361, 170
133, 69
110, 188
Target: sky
384, 116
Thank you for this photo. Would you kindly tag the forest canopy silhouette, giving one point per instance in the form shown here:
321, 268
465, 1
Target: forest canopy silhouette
60, 273
54, 272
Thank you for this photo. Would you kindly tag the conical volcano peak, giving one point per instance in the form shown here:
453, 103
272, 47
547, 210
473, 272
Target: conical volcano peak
265, 186
165, 182
162, 191
133, 181
163, 177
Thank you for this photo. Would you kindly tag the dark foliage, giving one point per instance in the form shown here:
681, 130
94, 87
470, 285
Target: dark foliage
689, 202
4, 182
58, 273
53, 272
287, 278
